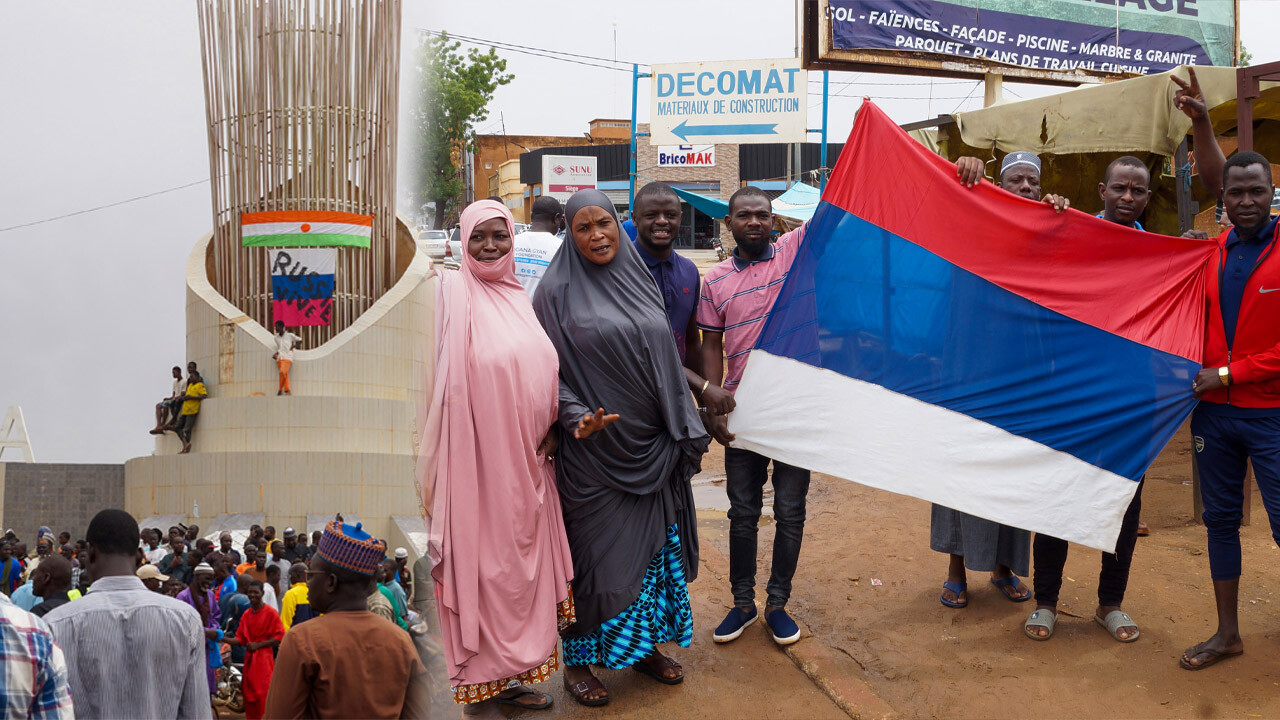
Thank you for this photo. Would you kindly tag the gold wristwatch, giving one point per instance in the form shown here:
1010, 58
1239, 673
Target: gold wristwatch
1224, 374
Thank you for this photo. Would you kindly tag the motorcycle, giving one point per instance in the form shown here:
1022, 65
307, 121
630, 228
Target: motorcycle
716, 245
229, 693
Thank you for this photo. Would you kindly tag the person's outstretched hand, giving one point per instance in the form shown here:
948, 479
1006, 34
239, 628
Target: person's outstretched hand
1189, 99
593, 423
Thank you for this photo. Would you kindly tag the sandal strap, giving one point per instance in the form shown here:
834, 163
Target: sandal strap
1035, 619
1117, 619
522, 693
580, 689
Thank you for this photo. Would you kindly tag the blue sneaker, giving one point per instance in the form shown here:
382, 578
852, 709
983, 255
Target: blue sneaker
785, 631
734, 623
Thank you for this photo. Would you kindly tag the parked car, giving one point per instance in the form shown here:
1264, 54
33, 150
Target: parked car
454, 253
435, 243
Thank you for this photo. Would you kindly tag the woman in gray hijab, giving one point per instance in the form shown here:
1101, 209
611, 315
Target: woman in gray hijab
632, 439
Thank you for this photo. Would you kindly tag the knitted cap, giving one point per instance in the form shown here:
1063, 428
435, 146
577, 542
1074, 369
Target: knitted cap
203, 567
351, 548
1021, 157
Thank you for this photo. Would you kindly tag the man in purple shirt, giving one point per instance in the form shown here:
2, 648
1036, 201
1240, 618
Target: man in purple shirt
657, 218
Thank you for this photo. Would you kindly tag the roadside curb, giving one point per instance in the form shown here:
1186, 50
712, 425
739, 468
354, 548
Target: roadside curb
839, 677
833, 672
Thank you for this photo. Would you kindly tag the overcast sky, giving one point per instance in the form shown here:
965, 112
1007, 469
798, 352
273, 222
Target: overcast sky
103, 103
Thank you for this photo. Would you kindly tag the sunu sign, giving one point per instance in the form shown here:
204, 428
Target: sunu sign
564, 175
687, 156
741, 101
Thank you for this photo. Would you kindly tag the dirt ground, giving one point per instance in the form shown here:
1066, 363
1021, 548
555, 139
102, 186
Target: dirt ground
927, 660
749, 678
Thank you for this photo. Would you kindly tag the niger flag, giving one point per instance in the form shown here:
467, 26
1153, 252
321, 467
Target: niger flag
305, 228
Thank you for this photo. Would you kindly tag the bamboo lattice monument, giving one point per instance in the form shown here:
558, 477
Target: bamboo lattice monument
301, 102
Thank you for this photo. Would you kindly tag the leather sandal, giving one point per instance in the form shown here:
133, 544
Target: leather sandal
1212, 657
544, 700
579, 691
663, 662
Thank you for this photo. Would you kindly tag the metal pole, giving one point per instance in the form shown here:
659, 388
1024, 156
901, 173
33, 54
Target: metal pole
822, 161
631, 176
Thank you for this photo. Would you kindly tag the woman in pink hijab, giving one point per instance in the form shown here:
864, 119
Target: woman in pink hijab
496, 538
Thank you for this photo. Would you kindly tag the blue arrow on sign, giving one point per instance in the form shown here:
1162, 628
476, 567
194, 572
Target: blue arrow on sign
684, 129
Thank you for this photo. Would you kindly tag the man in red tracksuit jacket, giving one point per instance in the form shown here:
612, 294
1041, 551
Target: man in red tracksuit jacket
1238, 418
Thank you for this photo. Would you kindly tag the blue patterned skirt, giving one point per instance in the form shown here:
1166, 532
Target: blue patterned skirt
661, 614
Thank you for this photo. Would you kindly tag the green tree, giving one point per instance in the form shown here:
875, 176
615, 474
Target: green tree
1246, 57
455, 91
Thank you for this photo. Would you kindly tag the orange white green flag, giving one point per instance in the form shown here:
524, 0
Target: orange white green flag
305, 228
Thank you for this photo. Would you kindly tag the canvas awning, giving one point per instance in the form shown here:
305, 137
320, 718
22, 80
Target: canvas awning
798, 202
1130, 116
1079, 132
712, 207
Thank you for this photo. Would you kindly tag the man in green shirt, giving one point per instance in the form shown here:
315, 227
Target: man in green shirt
385, 577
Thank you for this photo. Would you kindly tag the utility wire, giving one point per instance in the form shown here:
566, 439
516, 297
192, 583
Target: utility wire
873, 82
529, 47
966, 97
536, 52
612, 64
103, 207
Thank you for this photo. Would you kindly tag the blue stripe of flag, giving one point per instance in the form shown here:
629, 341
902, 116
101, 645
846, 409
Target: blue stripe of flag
297, 287
875, 307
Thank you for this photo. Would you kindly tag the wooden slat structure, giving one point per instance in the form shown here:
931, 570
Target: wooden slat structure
301, 98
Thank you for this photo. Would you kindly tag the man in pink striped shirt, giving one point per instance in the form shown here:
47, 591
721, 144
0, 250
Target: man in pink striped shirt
737, 297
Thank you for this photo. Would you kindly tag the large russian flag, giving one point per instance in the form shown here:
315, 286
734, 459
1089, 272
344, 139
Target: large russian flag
974, 348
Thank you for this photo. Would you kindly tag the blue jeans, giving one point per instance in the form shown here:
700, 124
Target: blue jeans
747, 473
1223, 445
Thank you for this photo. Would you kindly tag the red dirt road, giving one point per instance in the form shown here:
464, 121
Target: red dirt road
926, 660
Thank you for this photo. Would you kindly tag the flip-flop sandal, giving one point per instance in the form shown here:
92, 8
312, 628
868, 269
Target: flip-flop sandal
644, 668
511, 700
1008, 586
1040, 618
1143, 530
957, 588
1115, 620
1215, 657
579, 692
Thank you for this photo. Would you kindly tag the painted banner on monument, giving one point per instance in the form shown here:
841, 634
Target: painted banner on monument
302, 285
1106, 36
